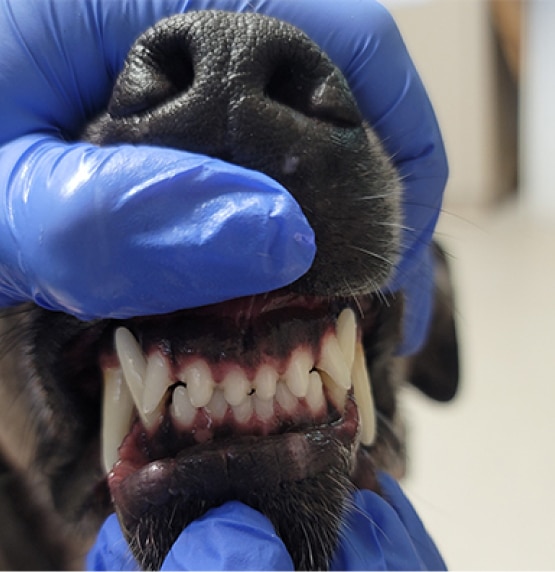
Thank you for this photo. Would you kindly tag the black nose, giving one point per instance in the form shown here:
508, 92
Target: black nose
207, 81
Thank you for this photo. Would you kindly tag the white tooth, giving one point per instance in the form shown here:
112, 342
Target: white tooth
333, 362
264, 408
285, 398
346, 329
117, 411
363, 396
133, 364
336, 394
236, 387
157, 381
265, 382
198, 378
243, 412
217, 406
181, 409
315, 395
296, 375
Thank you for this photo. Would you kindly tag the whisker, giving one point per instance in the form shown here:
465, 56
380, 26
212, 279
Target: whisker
372, 254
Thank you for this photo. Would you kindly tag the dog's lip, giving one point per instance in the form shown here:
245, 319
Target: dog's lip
232, 468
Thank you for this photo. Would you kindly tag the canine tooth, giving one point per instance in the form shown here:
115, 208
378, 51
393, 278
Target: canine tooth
333, 362
198, 378
315, 395
181, 409
157, 381
285, 398
265, 382
346, 329
243, 412
264, 408
336, 394
217, 406
363, 395
117, 410
236, 387
132, 363
296, 375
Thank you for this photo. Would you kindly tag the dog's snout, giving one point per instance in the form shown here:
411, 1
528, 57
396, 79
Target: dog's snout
258, 92
207, 81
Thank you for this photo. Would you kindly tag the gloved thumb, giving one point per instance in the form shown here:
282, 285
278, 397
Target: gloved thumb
136, 230
230, 537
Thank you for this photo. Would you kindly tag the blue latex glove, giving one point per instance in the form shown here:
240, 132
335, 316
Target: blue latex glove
126, 231
378, 534
100, 233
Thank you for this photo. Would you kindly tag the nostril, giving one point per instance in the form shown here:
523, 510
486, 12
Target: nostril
157, 72
321, 97
285, 87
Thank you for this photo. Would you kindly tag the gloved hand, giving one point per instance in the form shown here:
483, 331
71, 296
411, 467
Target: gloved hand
126, 231
101, 233
378, 534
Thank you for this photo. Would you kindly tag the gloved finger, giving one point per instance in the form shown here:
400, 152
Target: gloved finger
116, 232
230, 537
110, 550
421, 540
375, 536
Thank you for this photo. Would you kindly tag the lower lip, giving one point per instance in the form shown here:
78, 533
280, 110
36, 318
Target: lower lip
234, 468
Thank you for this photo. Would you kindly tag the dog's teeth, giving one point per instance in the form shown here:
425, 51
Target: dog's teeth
181, 409
285, 398
217, 406
336, 394
265, 382
243, 411
117, 409
346, 329
133, 365
315, 398
236, 387
296, 375
332, 362
264, 408
157, 381
363, 395
198, 379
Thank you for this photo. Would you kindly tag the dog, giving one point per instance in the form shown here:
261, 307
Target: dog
284, 400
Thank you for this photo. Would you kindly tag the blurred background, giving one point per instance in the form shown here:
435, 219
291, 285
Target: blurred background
482, 469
